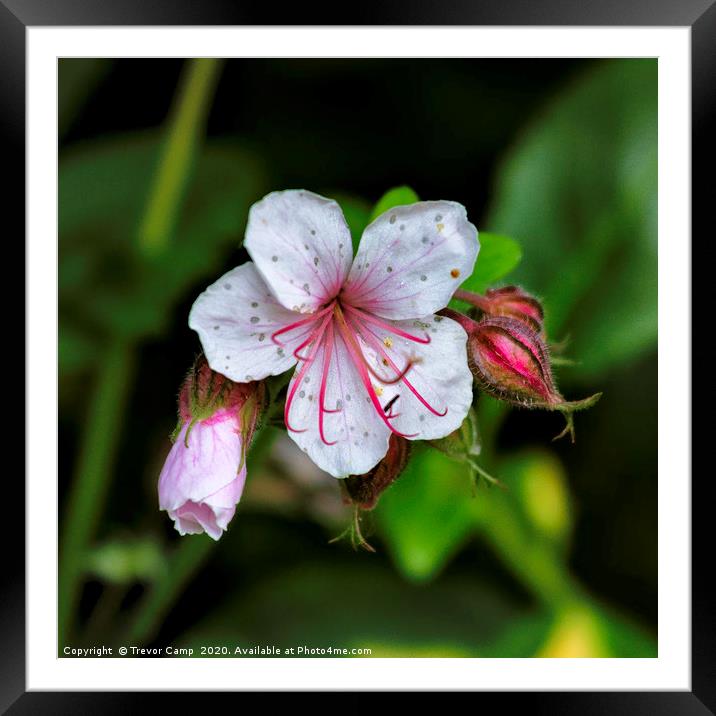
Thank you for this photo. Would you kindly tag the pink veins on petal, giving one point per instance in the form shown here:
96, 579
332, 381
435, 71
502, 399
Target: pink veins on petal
322, 410
298, 324
316, 337
369, 336
351, 324
368, 318
360, 364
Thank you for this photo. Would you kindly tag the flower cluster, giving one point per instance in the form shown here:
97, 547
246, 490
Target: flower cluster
378, 359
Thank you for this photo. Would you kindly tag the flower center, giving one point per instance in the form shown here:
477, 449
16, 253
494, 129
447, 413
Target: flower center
354, 326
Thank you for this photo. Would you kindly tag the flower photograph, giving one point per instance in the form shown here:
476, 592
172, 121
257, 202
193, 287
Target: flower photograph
357, 357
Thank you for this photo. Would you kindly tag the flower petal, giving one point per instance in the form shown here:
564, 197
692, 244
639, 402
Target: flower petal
360, 436
435, 394
235, 318
213, 514
186, 521
411, 259
301, 245
207, 465
192, 518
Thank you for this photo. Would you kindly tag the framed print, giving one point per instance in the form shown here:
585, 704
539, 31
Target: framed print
373, 354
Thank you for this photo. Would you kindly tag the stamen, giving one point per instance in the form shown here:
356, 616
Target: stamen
369, 318
317, 335
360, 364
378, 346
385, 381
327, 353
302, 346
298, 324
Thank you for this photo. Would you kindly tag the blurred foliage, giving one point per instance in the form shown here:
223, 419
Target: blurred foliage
498, 257
76, 82
457, 619
578, 192
539, 482
103, 189
427, 514
126, 561
461, 570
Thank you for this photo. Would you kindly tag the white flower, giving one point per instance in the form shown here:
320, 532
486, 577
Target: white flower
371, 356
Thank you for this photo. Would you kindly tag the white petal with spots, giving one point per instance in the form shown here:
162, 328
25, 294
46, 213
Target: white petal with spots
438, 373
301, 245
235, 318
360, 436
411, 259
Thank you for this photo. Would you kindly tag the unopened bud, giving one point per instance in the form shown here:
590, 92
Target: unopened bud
205, 392
363, 491
203, 476
510, 301
510, 360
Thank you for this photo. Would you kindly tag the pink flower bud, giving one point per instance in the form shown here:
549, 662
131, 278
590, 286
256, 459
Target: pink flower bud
203, 476
199, 485
511, 301
364, 490
510, 360
514, 302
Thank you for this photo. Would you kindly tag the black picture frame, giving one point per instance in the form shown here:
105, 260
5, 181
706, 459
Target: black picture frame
699, 15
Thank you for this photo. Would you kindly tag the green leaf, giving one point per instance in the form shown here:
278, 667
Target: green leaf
398, 196
126, 561
498, 256
579, 193
102, 194
426, 515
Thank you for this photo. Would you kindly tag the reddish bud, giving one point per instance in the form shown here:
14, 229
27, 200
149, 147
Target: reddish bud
363, 491
510, 301
510, 360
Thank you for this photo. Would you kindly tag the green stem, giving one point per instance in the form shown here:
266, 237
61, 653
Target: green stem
107, 606
187, 560
474, 299
92, 476
185, 125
